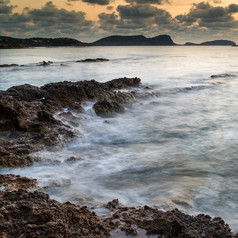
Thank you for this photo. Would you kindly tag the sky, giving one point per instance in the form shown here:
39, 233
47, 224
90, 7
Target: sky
89, 20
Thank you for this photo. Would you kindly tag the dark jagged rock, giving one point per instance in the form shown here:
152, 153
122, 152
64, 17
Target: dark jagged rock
24, 214
8, 65
107, 109
92, 60
44, 63
172, 224
112, 205
27, 119
26, 92
65, 93
11, 182
34, 214
121, 83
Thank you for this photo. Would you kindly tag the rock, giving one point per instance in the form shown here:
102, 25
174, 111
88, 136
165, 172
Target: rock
44, 63
26, 92
122, 83
45, 116
25, 214
112, 205
172, 223
63, 94
76, 107
27, 114
12, 182
72, 159
107, 109
34, 214
8, 65
222, 75
123, 97
92, 60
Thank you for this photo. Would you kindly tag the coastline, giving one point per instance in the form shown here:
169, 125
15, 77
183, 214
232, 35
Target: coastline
27, 212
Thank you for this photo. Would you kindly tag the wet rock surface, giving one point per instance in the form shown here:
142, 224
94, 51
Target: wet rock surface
34, 214
11, 182
171, 223
107, 109
26, 214
27, 121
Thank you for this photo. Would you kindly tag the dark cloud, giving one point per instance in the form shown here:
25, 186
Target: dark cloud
4, 1
93, 2
108, 21
159, 2
110, 8
136, 19
233, 8
5, 8
49, 21
99, 2
205, 15
137, 11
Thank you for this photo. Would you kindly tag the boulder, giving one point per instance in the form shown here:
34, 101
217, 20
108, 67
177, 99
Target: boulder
26, 92
107, 109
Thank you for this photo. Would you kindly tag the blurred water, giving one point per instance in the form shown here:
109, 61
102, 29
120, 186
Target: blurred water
176, 148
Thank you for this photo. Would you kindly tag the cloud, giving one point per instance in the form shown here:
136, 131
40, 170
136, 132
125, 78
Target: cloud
110, 8
137, 11
136, 19
233, 8
49, 21
205, 15
4, 1
99, 2
159, 2
93, 2
5, 8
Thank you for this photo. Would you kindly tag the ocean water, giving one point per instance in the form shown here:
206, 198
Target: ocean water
175, 146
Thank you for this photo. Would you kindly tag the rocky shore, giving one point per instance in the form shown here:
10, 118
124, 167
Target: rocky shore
26, 212
28, 123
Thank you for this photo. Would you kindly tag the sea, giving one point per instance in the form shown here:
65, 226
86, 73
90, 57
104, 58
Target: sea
176, 146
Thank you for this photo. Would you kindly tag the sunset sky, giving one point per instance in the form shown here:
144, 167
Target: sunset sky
89, 20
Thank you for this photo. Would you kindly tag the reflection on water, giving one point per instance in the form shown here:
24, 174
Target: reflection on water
176, 146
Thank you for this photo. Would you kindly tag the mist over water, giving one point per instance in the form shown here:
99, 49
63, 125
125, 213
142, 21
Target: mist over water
176, 146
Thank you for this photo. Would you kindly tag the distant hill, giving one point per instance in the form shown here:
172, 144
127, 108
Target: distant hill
10, 42
215, 42
115, 40
136, 40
